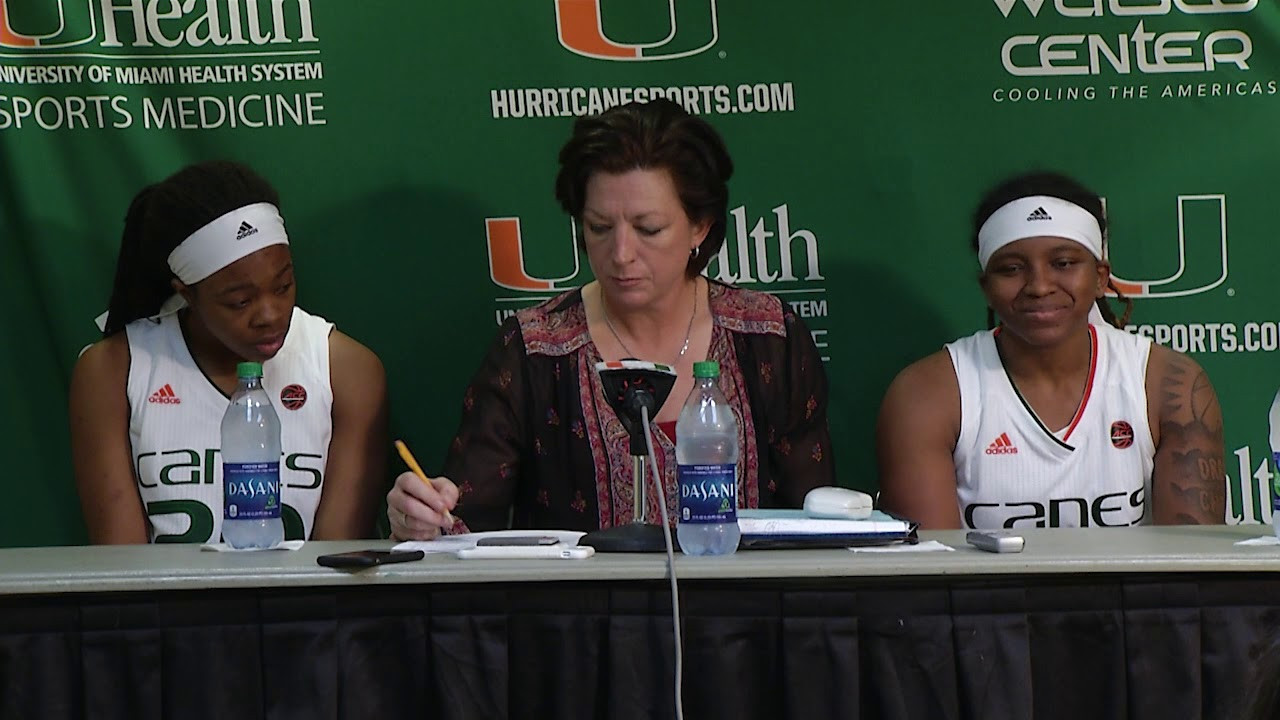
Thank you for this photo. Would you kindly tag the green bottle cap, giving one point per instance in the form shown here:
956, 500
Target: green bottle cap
249, 369
706, 369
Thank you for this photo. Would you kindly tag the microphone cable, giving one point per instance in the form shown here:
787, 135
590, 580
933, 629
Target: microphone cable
671, 564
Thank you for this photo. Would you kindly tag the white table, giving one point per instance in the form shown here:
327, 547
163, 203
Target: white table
1142, 622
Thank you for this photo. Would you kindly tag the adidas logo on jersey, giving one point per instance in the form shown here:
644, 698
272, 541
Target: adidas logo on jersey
245, 230
1002, 446
165, 396
1039, 214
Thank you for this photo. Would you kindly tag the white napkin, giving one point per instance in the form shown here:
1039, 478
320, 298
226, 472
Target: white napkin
223, 547
1264, 540
926, 546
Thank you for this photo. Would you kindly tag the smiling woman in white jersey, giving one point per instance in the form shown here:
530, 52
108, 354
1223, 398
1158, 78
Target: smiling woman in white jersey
204, 281
1056, 417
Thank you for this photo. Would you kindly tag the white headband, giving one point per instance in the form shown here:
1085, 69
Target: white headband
239, 233
1036, 216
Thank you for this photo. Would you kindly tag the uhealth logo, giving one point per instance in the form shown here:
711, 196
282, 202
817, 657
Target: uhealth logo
691, 29
1200, 263
46, 24
745, 257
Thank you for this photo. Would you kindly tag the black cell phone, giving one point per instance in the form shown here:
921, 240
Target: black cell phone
516, 540
368, 558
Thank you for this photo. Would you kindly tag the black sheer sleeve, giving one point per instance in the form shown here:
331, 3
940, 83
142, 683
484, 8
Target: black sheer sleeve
809, 463
485, 456
790, 395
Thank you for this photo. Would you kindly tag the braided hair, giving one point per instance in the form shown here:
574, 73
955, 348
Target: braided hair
160, 217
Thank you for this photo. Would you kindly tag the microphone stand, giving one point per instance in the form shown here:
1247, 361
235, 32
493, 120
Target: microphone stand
629, 386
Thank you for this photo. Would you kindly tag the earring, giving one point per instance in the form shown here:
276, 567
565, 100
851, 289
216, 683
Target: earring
693, 254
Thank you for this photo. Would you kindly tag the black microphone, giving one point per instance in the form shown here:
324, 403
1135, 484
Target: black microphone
634, 388
629, 386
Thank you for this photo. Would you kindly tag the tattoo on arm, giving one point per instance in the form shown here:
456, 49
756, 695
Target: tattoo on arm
1192, 476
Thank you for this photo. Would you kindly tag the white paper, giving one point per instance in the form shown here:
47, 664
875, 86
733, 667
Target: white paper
454, 543
818, 526
223, 547
926, 546
1264, 540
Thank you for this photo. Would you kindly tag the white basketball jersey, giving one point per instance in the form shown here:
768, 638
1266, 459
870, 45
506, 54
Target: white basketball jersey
175, 418
1012, 471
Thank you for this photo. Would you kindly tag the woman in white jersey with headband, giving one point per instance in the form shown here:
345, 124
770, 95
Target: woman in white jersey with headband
1055, 418
204, 281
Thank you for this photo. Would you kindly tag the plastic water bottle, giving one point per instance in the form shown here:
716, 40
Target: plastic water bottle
1274, 421
707, 467
251, 465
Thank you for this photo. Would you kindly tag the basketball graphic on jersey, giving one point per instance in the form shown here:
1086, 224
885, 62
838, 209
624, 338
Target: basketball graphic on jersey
293, 397
1121, 434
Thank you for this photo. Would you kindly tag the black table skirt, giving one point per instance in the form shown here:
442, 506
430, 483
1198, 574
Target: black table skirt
1158, 647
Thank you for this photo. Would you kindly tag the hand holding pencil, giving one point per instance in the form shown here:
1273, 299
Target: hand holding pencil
418, 506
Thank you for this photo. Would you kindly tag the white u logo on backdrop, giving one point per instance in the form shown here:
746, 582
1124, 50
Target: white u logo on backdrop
1187, 278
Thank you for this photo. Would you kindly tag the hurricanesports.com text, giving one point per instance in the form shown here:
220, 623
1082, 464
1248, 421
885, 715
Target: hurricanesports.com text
696, 99
1213, 337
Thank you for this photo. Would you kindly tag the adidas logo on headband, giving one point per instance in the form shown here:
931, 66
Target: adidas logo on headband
239, 233
1027, 217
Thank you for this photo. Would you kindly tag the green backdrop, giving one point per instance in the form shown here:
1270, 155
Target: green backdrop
414, 145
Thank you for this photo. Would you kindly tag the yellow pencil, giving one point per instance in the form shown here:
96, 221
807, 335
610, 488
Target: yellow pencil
417, 470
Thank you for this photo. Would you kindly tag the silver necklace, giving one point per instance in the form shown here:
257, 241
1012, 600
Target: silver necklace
687, 333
